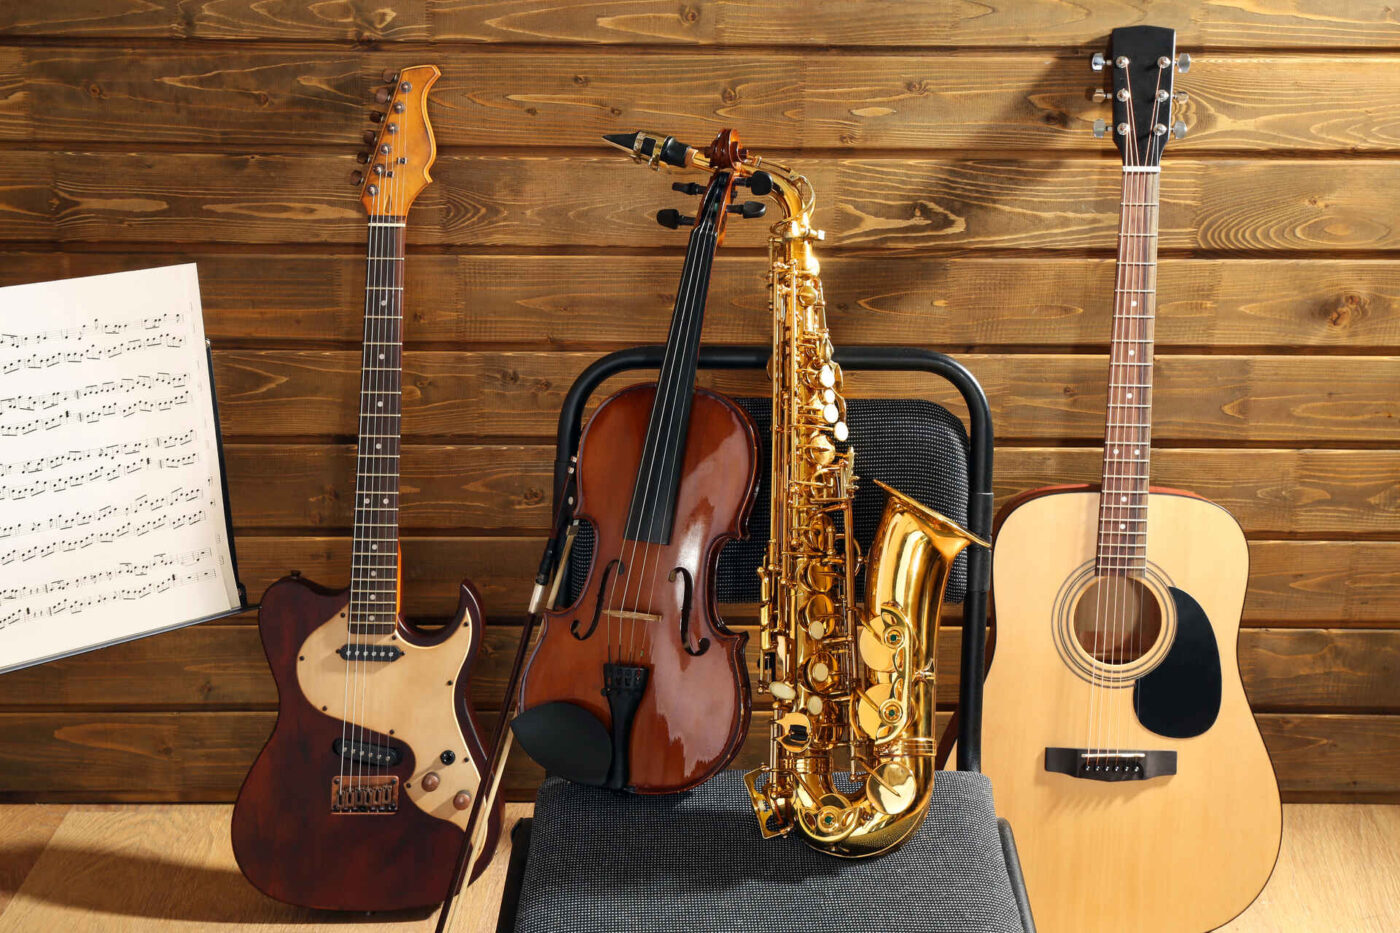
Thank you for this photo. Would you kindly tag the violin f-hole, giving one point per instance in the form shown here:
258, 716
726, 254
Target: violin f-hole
687, 593
614, 564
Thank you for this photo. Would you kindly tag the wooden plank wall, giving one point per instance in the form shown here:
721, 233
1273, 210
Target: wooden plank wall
968, 207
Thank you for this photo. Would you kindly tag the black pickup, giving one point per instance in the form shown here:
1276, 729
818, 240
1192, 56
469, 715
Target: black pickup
1119, 765
367, 752
370, 652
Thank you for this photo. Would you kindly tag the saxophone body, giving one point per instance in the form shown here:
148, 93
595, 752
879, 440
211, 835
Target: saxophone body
852, 688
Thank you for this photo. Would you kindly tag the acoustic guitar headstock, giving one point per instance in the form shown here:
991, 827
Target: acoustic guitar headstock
1142, 64
402, 149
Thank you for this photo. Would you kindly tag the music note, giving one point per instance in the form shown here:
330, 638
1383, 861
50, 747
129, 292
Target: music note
113, 521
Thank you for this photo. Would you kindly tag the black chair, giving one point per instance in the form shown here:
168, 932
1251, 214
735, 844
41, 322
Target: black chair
591, 860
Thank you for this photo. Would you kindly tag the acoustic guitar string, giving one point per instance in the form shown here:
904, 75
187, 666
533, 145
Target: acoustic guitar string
665, 397
699, 287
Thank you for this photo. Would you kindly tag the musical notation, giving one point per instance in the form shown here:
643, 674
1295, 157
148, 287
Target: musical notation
113, 520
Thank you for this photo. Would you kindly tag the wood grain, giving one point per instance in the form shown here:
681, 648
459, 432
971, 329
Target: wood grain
451, 394
1054, 24
203, 756
515, 200
991, 102
1278, 492
221, 667
605, 301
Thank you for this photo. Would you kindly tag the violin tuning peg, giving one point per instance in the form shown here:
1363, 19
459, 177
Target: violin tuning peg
1183, 62
672, 218
760, 183
1100, 128
749, 209
688, 187
1179, 129
1096, 61
382, 95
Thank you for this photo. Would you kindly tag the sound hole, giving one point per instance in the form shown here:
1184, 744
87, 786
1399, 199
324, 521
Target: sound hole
1117, 619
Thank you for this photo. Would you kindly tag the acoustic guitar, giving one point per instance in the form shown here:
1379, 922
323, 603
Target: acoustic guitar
360, 798
1117, 734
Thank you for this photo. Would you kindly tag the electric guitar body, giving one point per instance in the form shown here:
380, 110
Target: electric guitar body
291, 840
1117, 850
1116, 732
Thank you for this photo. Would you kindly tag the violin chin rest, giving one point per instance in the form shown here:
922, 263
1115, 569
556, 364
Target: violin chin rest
566, 740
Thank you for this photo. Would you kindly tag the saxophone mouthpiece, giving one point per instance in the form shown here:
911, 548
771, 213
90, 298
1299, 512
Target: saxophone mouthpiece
644, 147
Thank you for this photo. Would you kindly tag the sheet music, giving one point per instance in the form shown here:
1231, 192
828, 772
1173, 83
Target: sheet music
112, 520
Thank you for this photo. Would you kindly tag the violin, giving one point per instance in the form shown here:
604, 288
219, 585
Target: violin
638, 685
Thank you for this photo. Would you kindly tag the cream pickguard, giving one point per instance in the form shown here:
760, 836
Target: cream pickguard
1184, 852
413, 696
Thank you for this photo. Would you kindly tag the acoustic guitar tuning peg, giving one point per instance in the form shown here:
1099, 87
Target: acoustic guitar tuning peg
749, 209
1100, 128
357, 177
1179, 129
1180, 97
1100, 95
688, 187
382, 95
1096, 61
1183, 62
670, 217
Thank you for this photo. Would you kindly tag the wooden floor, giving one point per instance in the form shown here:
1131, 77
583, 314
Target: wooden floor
159, 869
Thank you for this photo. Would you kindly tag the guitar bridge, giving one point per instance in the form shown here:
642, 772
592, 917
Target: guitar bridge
365, 794
1110, 766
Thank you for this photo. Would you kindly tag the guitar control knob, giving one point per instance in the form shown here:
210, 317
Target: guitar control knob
1096, 61
448, 757
462, 800
431, 781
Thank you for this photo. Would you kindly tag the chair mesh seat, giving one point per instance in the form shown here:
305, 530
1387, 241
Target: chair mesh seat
696, 863
913, 445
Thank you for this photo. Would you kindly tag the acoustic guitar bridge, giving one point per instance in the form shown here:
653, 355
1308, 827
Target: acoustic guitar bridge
365, 794
1110, 765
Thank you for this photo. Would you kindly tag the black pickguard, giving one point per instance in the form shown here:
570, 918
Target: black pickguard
1180, 698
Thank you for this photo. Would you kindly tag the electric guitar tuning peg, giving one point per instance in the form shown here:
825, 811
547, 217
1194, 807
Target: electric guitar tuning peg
369, 137
688, 187
376, 117
362, 157
672, 218
1096, 61
357, 178
390, 76
1100, 128
382, 95
1179, 129
749, 209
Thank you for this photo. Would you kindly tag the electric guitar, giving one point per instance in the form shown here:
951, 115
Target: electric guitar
1117, 735
360, 798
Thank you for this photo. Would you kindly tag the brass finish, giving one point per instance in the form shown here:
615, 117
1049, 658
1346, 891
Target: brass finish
843, 681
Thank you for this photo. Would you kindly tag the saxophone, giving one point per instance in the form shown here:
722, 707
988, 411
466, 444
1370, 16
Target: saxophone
843, 681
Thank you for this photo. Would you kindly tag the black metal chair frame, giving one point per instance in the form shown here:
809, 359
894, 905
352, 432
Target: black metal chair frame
979, 521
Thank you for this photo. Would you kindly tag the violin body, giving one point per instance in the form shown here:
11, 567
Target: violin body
289, 841
694, 712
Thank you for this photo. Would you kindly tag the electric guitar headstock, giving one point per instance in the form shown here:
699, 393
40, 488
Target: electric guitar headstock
1142, 63
402, 149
